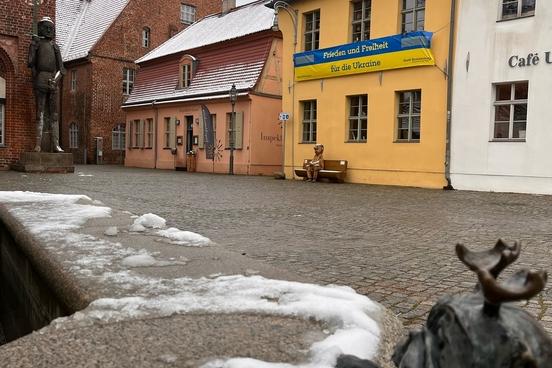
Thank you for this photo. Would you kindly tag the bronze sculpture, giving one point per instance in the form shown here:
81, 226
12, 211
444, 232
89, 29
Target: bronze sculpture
480, 329
316, 164
47, 69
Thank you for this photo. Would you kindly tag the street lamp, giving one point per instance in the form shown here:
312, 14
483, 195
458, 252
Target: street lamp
233, 97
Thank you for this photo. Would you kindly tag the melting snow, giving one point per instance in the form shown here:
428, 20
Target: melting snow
54, 218
184, 237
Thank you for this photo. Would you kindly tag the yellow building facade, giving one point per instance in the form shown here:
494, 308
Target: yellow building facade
390, 125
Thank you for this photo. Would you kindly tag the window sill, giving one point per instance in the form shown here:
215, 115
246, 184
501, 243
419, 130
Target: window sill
359, 141
406, 141
3, 146
307, 142
514, 140
514, 18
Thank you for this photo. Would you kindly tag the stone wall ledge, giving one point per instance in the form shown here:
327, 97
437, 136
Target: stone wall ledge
155, 339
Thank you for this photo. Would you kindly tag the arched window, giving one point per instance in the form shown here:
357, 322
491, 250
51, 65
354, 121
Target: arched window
188, 65
118, 138
146, 33
73, 135
2, 111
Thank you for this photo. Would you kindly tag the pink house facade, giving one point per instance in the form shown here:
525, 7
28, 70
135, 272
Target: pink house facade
196, 69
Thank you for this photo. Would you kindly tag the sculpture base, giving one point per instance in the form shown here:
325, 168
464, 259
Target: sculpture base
45, 162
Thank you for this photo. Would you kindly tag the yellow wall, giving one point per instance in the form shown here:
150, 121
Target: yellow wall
380, 160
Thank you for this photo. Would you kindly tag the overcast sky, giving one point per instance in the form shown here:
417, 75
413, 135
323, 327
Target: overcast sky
241, 2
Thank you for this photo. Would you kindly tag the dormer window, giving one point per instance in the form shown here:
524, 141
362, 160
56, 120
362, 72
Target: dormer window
146, 37
187, 69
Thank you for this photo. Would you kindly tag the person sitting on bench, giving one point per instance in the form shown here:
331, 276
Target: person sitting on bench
316, 164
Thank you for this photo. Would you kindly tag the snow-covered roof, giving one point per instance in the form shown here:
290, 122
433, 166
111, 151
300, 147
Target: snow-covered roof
81, 23
235, 63
241, 21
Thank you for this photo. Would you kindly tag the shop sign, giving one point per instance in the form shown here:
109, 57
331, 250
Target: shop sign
393, 52
532, 59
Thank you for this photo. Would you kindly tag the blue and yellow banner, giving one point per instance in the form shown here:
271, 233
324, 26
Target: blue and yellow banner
393, 52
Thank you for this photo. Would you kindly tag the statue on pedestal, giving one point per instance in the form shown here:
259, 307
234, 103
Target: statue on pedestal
47, 69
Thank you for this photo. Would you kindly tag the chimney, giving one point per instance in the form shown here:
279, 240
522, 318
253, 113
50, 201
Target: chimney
228, 5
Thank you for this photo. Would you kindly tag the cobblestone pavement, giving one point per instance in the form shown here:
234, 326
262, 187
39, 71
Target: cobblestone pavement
396, 245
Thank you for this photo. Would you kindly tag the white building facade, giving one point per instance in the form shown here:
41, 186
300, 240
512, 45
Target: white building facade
501, 133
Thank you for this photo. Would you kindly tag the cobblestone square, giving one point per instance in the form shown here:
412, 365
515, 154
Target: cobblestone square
395, 245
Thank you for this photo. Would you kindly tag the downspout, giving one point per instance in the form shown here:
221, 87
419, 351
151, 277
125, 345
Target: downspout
449, 95
156, 118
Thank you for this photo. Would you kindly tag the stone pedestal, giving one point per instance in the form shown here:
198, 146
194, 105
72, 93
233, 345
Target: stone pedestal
45, 162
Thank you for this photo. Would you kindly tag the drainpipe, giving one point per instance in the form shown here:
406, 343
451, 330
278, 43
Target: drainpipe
449, 94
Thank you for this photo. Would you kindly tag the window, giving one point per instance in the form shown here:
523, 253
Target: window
167, 134
137, 128
128, 80
309, 121
2, 111
413, 15
312, 30
358, 118
408, 117
186, 75
118, 138
187, 13
2, 119
146, 37
73, 80
517, 8
510, 115
361, 20
238, 129
149, 133
73, 135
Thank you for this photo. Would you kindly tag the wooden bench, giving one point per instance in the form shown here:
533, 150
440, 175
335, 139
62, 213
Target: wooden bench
334, 170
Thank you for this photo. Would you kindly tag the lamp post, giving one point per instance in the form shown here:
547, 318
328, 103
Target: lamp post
233, 98
277, 6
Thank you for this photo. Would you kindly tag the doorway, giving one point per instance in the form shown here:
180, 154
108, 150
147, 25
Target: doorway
189, 132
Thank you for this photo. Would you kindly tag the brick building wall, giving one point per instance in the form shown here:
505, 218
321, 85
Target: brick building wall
119, 47
15, 26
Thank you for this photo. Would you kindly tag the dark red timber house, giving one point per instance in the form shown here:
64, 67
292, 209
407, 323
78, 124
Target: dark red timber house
100, 39
190, 77
17, 116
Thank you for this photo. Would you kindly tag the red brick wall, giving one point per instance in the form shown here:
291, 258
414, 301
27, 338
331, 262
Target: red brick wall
76, 107
15, 25
119, 48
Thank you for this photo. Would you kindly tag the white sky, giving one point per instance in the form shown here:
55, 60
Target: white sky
241, 2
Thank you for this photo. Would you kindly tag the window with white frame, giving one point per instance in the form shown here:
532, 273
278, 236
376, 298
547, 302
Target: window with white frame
148, 131
309, 121
118, 138
137, 129
312, 30
73, 80
408, 116
128, 80
510, 115
413, 15
73, 135
511, 9
187, 13
186, 75
361, 20
358, 118
146, 33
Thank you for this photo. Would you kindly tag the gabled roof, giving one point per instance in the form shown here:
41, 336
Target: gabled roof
81, 23
239, 22
239, 63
